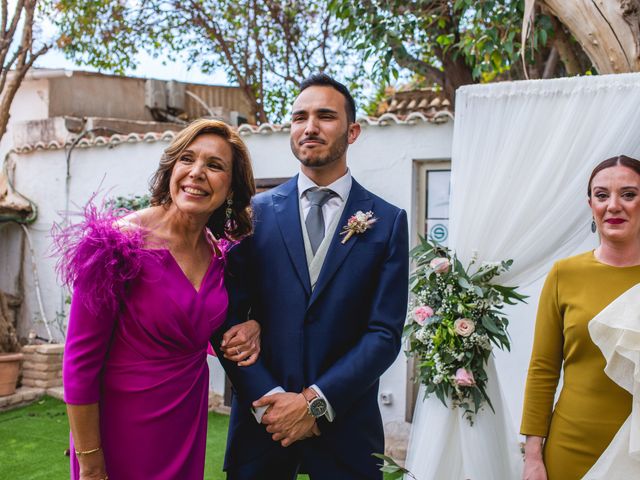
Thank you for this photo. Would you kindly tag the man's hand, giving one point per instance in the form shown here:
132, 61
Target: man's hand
287, 417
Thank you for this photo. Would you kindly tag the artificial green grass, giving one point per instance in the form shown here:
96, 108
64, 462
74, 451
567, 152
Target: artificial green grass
33, 440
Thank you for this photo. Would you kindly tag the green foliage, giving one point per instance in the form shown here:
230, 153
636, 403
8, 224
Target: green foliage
391, 469
455, 319
265, 47
445, 41
133, 203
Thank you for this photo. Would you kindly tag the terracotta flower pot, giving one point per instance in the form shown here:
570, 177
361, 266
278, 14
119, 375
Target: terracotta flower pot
9, 371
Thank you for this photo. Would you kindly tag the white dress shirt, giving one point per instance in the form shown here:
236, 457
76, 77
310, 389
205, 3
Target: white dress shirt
341, 187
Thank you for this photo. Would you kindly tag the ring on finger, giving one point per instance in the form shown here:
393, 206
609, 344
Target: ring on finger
238, 351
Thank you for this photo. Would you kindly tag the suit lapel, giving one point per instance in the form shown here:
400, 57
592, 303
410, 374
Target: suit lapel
287, 211
359, 199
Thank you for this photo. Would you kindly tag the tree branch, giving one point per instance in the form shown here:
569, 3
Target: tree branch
201, 19
12, 88
562, 44
5, 8
551, 63
7, 35
406, 60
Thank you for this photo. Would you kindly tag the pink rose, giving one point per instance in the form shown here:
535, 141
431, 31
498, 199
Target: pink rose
464, 327
440, 264
420, 314
464, 378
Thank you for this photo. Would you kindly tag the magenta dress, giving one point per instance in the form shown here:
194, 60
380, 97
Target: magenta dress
137, 344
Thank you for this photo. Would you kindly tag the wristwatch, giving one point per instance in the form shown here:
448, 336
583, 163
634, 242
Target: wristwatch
316, 405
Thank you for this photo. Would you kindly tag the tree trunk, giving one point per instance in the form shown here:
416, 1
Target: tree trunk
562, 44
15, 64
456, 74
607, 30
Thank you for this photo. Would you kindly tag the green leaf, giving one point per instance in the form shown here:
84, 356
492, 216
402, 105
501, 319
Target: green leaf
543, 37
464, 283
391, 467
490, 324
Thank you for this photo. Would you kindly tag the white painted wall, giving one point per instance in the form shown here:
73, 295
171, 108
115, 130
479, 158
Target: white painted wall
382, 160
41, 176
30, 103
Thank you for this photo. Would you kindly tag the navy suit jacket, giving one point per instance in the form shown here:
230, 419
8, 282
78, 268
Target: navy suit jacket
341, 336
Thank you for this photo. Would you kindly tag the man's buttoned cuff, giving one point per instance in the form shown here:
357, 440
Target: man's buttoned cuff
259, 411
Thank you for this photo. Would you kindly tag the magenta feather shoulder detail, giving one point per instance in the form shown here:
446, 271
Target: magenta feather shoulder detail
100, 256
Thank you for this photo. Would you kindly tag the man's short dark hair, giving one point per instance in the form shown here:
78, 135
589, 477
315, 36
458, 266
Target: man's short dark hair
324, 80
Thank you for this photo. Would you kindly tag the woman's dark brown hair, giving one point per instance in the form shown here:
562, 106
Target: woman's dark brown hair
242, 182
621, 160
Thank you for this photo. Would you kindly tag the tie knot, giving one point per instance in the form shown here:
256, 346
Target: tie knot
319, 197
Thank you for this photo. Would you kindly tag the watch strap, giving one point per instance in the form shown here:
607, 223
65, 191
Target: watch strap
309, 394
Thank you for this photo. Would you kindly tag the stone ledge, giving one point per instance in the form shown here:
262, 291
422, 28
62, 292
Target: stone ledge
56, 392
216, 404
41, 367
396, 439
47, 358
46, 349
41, 375
29, 382
23, 396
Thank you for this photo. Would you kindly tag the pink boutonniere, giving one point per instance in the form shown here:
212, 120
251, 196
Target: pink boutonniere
359, 222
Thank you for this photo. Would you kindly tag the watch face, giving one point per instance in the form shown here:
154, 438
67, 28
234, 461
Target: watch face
318, 407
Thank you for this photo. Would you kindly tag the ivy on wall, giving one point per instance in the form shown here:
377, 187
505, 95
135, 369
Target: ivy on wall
133, 203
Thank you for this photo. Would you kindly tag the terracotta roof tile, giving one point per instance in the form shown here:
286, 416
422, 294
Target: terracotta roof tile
426, 101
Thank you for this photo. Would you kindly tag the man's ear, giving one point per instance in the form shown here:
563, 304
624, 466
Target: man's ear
353, 132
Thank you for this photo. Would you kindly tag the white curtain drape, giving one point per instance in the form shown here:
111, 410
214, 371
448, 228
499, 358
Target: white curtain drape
522, 156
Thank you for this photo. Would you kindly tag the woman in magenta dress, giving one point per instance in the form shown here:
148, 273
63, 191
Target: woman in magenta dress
148, 291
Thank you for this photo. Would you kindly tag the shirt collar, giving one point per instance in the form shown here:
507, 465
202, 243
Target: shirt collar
341, 186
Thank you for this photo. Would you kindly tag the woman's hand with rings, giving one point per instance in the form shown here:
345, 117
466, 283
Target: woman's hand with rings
241, 343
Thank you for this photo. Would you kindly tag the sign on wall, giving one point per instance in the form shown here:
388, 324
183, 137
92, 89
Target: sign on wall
438, 183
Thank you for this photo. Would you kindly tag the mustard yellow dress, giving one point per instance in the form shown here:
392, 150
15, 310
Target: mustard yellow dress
591, 407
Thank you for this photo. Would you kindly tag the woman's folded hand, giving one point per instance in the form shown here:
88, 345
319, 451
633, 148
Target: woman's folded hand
241, 343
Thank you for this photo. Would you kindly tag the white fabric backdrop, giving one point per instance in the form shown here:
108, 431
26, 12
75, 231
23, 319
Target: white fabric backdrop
522, 156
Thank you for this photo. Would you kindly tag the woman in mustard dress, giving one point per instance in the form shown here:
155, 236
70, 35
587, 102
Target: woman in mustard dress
564, 441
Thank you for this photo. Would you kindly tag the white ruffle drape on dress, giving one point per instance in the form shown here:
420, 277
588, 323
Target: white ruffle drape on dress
616, 331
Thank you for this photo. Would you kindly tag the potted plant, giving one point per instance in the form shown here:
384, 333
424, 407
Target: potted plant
10, 356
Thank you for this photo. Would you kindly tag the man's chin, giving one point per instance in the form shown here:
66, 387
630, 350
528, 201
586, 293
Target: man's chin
314, 162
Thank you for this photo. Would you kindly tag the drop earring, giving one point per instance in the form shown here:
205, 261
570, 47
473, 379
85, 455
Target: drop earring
593, 226
228, 213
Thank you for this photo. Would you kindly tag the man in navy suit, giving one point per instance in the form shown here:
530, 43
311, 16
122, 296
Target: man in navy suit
331, 305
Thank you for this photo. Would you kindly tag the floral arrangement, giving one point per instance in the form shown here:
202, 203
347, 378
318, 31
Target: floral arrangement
455, 320
358, 223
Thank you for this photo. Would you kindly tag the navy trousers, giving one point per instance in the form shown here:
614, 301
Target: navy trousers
286, 463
